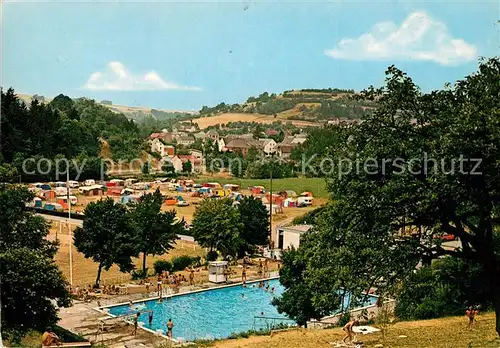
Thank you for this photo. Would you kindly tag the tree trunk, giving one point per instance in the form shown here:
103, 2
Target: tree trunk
144, 254
497, 315
98, 279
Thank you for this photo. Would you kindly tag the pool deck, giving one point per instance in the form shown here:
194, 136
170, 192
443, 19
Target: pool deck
84, 318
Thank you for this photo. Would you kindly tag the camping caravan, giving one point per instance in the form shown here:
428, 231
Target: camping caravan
303, 201
89, 182
60, 184
35, 203
231, 187
63, 201
73, 184
61, 191
93, 190
213, 185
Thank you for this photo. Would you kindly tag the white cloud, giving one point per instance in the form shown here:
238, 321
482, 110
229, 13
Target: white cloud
419, 37
116, 77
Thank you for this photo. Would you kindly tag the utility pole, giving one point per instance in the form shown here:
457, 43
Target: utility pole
70, 231
271, 203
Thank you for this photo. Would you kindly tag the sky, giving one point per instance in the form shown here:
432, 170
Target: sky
182, 55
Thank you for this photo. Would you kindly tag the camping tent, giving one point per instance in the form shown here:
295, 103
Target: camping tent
290, 203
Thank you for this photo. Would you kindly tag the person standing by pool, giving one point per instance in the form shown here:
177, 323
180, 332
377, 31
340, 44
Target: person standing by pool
266, 268
170, 327
136, 319
191, 277
260, 269
244, 274
158, 284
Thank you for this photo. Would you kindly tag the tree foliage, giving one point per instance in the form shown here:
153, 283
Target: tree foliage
389, 214
63, 128
255, 223
217, 225
445, 288
154, 230
107, 236
29, 278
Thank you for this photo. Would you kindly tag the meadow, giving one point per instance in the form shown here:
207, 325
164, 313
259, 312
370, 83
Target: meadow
315, 185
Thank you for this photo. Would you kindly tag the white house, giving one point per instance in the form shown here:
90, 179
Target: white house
176, 163
185, 140
196, 154
221, 144
286, 237
269, 146
158, 146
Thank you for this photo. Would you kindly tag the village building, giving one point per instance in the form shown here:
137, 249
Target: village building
158, 146
285, 238
186, 140
289, 142
268, 146
213, 134
200, 135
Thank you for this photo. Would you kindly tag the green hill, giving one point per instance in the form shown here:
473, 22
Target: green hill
305, 104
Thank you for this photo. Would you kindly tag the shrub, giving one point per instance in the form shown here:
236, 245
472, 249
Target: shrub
181, 262
212, 255
344, 318
445, 288
161, 266
139, 274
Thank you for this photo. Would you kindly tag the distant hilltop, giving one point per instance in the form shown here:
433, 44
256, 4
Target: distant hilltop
307, 105
131, 112
317, 106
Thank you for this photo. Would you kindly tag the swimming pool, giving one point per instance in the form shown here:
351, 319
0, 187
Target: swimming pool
213, 313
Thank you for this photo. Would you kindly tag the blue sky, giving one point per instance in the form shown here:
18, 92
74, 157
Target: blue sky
177, 55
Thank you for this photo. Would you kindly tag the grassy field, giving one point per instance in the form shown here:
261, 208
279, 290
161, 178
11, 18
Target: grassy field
437, 333
205, 122
85, 270
315, 185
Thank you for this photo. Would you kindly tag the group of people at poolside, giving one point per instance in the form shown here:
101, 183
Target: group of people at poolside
170, 323
171, 280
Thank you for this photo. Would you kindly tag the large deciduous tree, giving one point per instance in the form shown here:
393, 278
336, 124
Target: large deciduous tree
255, 223
155, 231
421, 166
217, 225
107, 236
29, 279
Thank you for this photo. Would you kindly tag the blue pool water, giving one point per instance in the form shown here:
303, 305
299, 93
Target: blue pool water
214, 313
